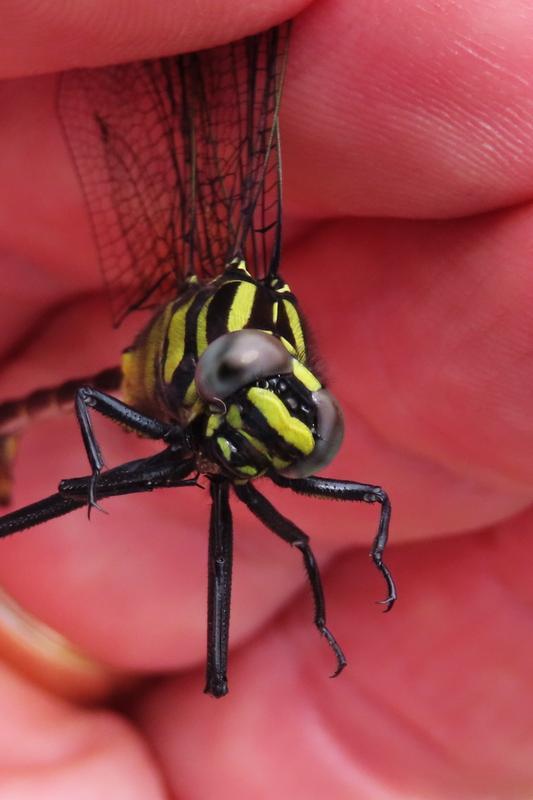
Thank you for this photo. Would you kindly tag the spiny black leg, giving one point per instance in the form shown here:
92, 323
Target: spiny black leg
34, 514
142, 475
161, 471
289, 532
219, 588
88, 397
353, 492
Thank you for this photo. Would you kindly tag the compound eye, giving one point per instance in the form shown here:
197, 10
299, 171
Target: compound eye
329, 436
238, 359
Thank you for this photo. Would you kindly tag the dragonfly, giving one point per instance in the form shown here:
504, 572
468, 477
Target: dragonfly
179, 162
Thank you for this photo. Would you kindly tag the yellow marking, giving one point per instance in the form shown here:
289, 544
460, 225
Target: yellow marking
279, 463
141, 364
296, 328
259, 446
201, 328
152, 350
246, 470
8, 447
131, 382
127, 362
213, 422
283, 288
287, 345
290, 428
241, 307
191, 395
234, 416
275, 312
224, 447
305, 376
176, 340
198, 407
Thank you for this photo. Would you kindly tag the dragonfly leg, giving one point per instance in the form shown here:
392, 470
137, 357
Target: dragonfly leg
352, 492
142, 475
289, 532
219, 589
88, 397
16, 414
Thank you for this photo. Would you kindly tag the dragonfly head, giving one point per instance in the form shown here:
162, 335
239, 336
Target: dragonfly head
266, 410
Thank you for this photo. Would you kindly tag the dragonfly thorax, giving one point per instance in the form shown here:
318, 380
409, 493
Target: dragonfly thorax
230, 360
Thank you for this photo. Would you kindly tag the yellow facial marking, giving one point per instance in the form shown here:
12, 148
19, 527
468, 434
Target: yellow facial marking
248, 470
224, 447
176, 340
290, 428
305, 376
213, 422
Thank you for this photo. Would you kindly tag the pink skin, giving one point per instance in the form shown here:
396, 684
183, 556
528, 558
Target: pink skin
408, 151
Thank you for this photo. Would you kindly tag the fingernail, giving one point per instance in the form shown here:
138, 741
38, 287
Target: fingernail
50, 660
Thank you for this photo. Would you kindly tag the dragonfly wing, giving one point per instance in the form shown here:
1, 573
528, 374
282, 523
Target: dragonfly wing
178, 162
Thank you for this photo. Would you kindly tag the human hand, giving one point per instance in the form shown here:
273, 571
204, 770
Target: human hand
408, 158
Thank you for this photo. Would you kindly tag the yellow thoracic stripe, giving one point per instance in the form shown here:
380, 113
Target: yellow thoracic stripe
153, 348
287, 345
241, 307
289, 428
296, 327
191, 395
305, 376
176, 340
201, 327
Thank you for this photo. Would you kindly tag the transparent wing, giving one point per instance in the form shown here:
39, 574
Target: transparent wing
178, 161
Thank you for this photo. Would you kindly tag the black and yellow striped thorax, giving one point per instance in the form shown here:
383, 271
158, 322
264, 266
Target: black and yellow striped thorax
268, 424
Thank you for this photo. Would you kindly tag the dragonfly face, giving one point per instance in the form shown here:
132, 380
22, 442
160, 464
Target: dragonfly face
275, 414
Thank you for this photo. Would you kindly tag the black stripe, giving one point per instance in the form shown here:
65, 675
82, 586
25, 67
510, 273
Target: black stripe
218, 312
257, 426
262, 309
184, 372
